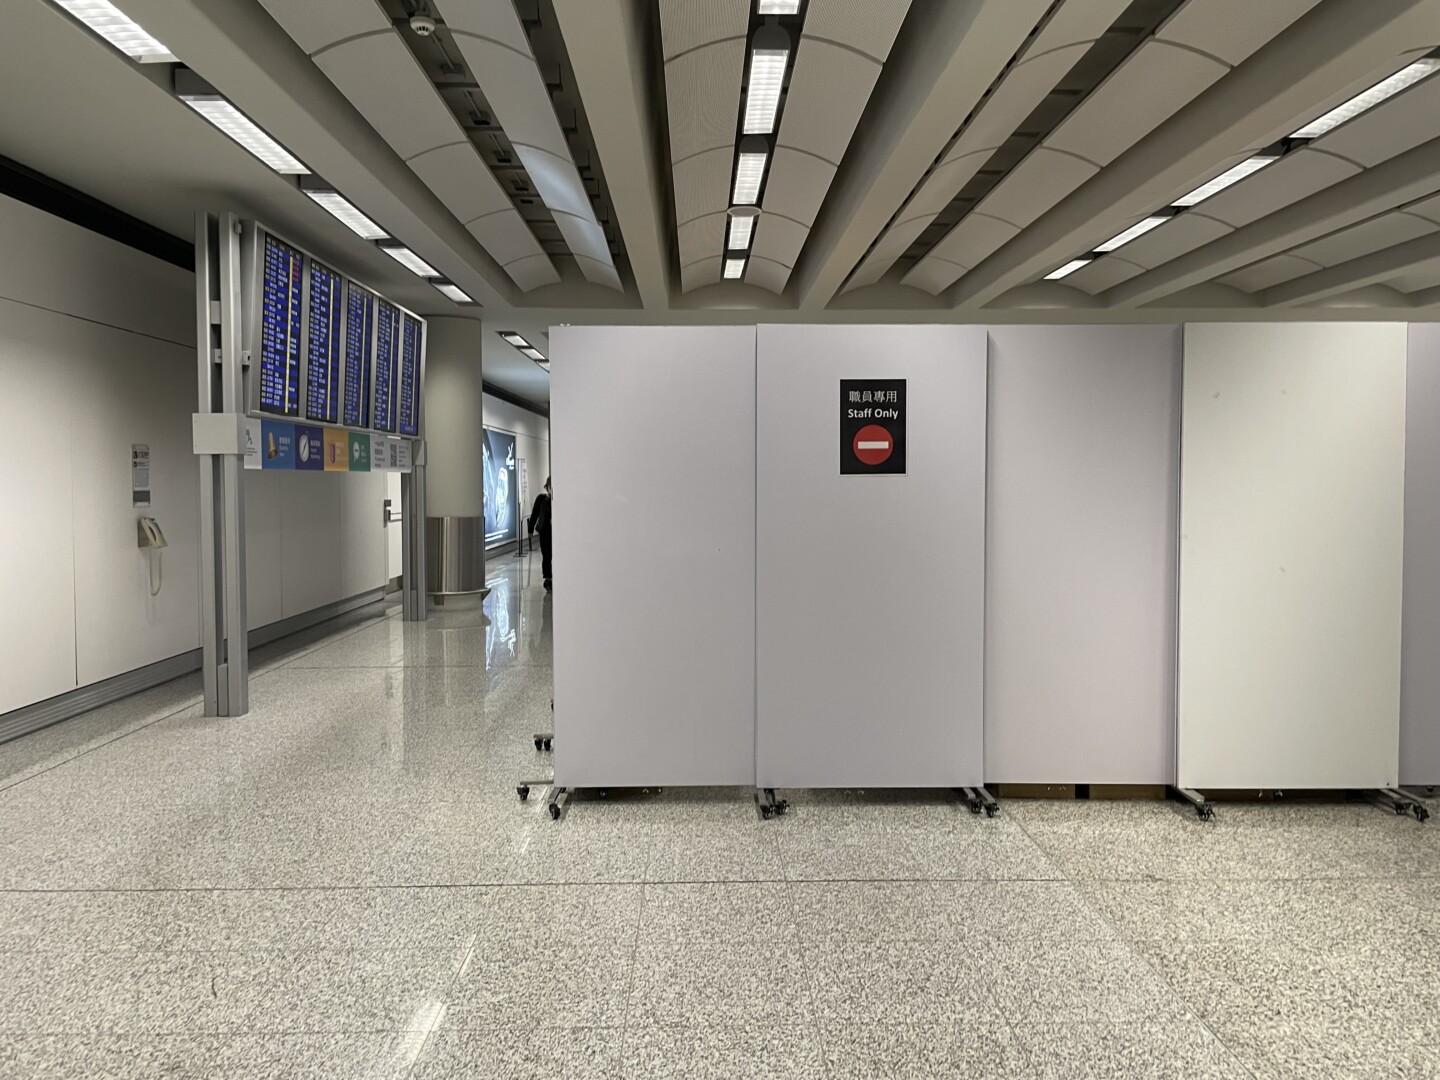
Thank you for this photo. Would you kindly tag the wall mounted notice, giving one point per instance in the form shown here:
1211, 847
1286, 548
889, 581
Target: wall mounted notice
872, 426
139, 474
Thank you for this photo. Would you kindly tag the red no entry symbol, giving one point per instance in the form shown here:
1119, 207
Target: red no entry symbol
873, 444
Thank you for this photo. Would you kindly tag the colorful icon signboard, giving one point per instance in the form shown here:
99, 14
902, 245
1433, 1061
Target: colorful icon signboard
337, 450
309, 447
277, 445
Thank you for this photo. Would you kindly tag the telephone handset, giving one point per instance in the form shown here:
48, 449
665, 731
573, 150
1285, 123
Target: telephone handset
150, 534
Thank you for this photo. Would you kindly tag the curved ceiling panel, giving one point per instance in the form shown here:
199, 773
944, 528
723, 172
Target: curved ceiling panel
1364, 239
317, 23
1402, 123
1025, 87
382, 79
1182, 233
1075, 20
701, 238
513, 87
506, 236
1422, 277
779, 239
1103, 274
934, 276
1232, 30
767, 274
797, 185
1036, 184
686, 25
1269, 272
700, 273
867, 26
702, 184
828, 92
1290, 179
464, 184
977, 236
493, 19
702, 89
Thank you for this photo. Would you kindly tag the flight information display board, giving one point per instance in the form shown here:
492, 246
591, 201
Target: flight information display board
387, 363
280, 293
322, 363
410, 378
359, 355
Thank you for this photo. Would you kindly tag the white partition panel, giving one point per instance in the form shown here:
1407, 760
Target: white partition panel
1420, 679
1084, 436
1292, 515
870, 590
653, 459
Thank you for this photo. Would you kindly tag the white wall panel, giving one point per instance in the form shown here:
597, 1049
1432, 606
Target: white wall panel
310, 572
264, 601
1081, 569
1292, 507
654, 451
1420, 679
870, 589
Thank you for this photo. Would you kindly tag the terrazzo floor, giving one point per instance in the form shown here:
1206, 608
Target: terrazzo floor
343, 884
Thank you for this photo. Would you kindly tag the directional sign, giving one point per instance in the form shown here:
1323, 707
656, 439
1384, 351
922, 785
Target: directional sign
872, 426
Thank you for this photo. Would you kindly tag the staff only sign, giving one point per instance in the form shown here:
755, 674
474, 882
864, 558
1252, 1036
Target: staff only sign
872, 426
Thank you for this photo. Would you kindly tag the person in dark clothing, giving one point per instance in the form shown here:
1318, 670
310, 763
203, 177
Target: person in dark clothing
540, 523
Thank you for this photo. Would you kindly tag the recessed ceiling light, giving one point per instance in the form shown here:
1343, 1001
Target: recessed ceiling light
1360, 103
454, 292
1140, 228
344, 211
408, 259
749, 171
534, 354
778, 7
741, 229
119, 30
1068, 269
734, 268
762, 92
1224, 180
514, 339
242, 129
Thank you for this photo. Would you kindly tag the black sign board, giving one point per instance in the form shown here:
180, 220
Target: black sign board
872, 426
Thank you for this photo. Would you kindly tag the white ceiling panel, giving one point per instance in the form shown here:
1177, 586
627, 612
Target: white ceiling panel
699, 274
1013, 100
779, 239
599, 273
515, 90
493, 19
1104, 273
584, 236
1182, 233
868, 273
898, 239
797, 185
1158, 80
506, 236
942, 185
1426, 208
1364, 239
1400, 124
868, 26
385, 82
702, 184
767, 274
463, 182
686, 24
1231, 30
933, 275
1035, 185
1421, 277
829, 88
702, 91
976, 237
317, 23
1269, 272
532, 272
556, 180
701, 238
1292, 178
1076, 21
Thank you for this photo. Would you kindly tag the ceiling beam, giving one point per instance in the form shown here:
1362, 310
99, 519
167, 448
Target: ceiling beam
609, 44
1326, 53
948, 54
1372, 269
242, 52
1391, 184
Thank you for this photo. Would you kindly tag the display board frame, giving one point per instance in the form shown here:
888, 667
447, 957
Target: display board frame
252, 246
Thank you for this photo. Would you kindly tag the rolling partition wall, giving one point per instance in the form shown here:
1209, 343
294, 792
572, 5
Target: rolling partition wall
1292, 519
653, 449
1420, 677
870, 601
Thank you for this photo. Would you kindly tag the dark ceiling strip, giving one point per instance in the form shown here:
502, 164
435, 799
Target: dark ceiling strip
515, 399
28, 186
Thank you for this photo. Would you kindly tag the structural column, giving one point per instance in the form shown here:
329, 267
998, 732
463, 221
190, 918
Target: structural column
454, 478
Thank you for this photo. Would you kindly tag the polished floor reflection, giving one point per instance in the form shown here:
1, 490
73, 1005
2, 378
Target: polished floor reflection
343, 884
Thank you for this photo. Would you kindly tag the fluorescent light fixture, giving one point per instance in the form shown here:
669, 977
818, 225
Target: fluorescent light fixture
242, 129
741, 229
1068, 269
734, 268
514, 339
749, 171
344, 211
119, 30
762, 94
454, 292
1140, 228
778, 7
534, 354
408, 259
1381, 91
1225, 179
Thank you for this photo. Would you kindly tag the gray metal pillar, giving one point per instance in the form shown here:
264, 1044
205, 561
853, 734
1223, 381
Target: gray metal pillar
220, 374
412, 502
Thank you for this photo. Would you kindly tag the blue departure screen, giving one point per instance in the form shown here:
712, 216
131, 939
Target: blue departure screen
322, 367
410, 378
387, 342
280, 329
359, 334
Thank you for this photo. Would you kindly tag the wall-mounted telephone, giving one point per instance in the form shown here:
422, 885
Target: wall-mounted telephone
151, 541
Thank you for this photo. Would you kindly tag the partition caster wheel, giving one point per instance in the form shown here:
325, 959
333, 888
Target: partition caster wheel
554, 812
1207, 813
991, 810
974, 808
767, 812
523, 791
1421, 814
547, 744
781, 808
539, 743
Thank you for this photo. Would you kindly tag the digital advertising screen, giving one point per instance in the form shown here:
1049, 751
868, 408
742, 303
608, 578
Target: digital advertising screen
409, 422
502, 515
387, 364
322, 364
359, 352
280, 292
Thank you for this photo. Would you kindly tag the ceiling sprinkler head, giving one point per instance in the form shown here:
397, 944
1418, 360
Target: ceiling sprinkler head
422, 25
